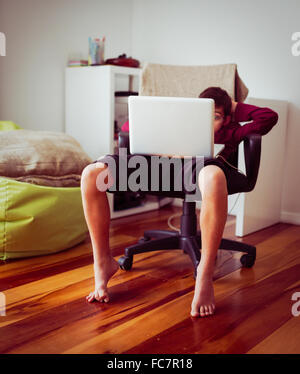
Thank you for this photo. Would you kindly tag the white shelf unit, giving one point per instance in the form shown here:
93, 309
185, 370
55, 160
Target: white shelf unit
90, 115
261, 207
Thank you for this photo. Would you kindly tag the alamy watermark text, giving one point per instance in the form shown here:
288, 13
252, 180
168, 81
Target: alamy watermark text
296, 46
2, 44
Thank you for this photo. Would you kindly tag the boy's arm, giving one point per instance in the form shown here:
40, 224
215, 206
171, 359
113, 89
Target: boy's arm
263, 119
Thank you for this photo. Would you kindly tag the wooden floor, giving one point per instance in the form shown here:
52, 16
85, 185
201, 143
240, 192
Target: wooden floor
46, 311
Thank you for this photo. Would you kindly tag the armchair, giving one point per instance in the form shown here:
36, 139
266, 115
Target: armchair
188, 238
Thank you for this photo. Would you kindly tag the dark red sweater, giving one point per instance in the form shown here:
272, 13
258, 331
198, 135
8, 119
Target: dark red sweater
262, 121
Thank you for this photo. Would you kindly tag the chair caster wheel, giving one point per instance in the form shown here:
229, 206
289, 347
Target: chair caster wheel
125, 263
247, 261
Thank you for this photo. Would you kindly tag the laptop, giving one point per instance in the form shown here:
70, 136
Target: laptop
171, 126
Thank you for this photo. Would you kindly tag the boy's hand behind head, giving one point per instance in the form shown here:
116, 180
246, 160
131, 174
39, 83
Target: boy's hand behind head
233, 106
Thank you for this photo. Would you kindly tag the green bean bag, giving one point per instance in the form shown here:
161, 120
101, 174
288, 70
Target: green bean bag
8, 125
38, 219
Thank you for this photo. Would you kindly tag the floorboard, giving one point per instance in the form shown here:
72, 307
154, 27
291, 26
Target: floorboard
46, 310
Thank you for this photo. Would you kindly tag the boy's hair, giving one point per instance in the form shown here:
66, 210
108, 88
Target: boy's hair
220, 97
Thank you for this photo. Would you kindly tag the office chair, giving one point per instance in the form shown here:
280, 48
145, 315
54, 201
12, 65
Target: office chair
188, 238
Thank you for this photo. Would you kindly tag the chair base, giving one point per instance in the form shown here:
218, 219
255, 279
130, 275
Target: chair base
169, 240
188, 239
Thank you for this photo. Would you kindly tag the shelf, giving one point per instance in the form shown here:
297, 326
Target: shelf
90, 115
112, 68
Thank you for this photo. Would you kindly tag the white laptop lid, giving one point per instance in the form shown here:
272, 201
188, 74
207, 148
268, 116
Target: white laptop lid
174, 126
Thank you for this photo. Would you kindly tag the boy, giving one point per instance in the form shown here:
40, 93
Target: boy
214, 183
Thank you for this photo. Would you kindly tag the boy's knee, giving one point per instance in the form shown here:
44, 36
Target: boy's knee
91, 173
212, 178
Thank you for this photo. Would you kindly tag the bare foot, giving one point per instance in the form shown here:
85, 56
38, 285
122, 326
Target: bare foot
102, 276
203, 303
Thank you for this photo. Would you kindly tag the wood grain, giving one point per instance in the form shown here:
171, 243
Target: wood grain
149, 311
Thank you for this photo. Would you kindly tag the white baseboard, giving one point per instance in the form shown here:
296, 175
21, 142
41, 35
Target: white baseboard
177, 202
290, 217
286, 217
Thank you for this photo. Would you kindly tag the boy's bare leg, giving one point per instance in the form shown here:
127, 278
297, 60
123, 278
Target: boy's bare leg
97, 215
213, 215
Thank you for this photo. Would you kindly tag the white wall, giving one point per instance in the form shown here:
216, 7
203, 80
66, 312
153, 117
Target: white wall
42, 34
40, 37
254, 34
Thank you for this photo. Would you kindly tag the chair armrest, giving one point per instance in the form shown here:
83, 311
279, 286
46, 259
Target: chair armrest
252, 151
124, 140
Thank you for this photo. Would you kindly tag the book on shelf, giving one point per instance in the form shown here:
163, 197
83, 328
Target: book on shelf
77, 63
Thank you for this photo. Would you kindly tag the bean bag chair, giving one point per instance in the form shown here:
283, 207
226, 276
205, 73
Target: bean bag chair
40, 201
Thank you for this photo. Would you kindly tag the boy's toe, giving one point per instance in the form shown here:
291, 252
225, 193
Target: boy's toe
202, 311
195, 314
